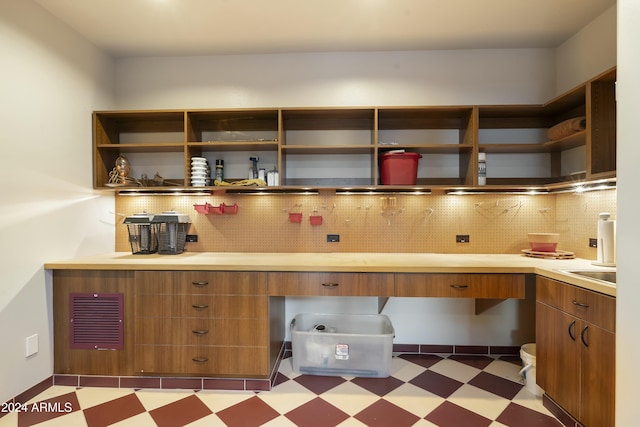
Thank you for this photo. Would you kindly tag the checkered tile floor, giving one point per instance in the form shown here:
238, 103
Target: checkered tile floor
423, 390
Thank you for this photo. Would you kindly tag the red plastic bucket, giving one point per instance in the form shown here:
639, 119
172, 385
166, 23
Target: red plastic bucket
399, 168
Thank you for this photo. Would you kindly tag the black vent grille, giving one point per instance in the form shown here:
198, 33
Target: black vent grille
97, 321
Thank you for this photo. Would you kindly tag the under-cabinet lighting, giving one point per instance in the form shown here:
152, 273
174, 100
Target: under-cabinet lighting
525, 192
584, 187
165, 192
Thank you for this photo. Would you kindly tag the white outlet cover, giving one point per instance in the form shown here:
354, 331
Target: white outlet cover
31, 345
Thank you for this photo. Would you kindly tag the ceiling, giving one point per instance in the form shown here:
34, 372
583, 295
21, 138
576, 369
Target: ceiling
210, 27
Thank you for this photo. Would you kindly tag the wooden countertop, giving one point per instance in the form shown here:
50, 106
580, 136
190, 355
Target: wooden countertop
343, 262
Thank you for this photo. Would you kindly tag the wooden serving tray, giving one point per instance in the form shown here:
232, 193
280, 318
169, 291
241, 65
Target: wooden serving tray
549, 255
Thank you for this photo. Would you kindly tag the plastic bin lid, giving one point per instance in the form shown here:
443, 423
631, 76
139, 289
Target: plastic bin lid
139, 218
171, 216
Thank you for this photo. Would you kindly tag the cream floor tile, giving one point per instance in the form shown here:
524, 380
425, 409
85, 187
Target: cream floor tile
209, 421
349, 398
152, 399
506, 370
280, 421
531, 401
351, 422
287, 396
74, 419
140, 420
456, 370
497, 424
91, 396
286, 368
10, 419
219, 400
479, 401
404, 370
414, 399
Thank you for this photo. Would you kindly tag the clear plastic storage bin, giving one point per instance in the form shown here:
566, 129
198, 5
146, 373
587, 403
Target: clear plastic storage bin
359, 345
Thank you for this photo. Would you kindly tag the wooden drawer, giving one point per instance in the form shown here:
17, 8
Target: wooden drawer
202, 360
201, 282
330, 284
201, 305
584, 304
191, 331
447, 285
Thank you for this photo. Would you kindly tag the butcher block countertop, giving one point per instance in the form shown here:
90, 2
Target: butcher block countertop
344, 262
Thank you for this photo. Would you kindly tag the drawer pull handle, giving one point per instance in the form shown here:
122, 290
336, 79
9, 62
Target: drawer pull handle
583, 334
331, 285
199, 284
572, 326
200, 331
200, 359
580, 304
459, 286
199, 307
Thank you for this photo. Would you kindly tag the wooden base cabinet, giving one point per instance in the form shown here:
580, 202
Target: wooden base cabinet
205, 323
575, 350
69, 357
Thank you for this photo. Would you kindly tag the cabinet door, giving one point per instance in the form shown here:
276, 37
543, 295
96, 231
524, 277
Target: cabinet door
598, 376
460, 285
558, 356
90, 361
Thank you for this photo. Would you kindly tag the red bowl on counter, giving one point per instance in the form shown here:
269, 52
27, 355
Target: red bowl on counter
543, 242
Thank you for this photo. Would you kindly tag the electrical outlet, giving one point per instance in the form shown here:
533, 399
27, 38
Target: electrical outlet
593, 243
192, 238
333, 238
462, 238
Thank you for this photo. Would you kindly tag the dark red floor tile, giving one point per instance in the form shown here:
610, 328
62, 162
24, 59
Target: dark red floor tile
182, 383
379, 386
437, 384
451, 415
519, 416
34, 413
385, 414
113, 411
317, 413
252, 412
222, 384
280, 379
318, 383
180, 412
496, 385
476, 361
424, 360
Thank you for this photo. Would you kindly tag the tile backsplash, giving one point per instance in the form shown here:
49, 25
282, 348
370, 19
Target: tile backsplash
495, 223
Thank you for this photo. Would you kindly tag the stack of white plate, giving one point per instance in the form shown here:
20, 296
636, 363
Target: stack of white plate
200, 172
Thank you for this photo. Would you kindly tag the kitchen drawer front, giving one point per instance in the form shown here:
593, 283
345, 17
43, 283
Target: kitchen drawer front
201, 282
190, 331
330, 284
584, 304
201, 305
202, 360
466, 285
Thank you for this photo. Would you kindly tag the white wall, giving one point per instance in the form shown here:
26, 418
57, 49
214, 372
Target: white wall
628, 292
587, 53
51, 82
461, 77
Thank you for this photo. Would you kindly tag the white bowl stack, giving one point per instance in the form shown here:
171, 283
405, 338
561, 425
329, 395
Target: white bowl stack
200, 172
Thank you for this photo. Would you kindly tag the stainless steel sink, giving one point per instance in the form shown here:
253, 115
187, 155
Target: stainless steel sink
603, 276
